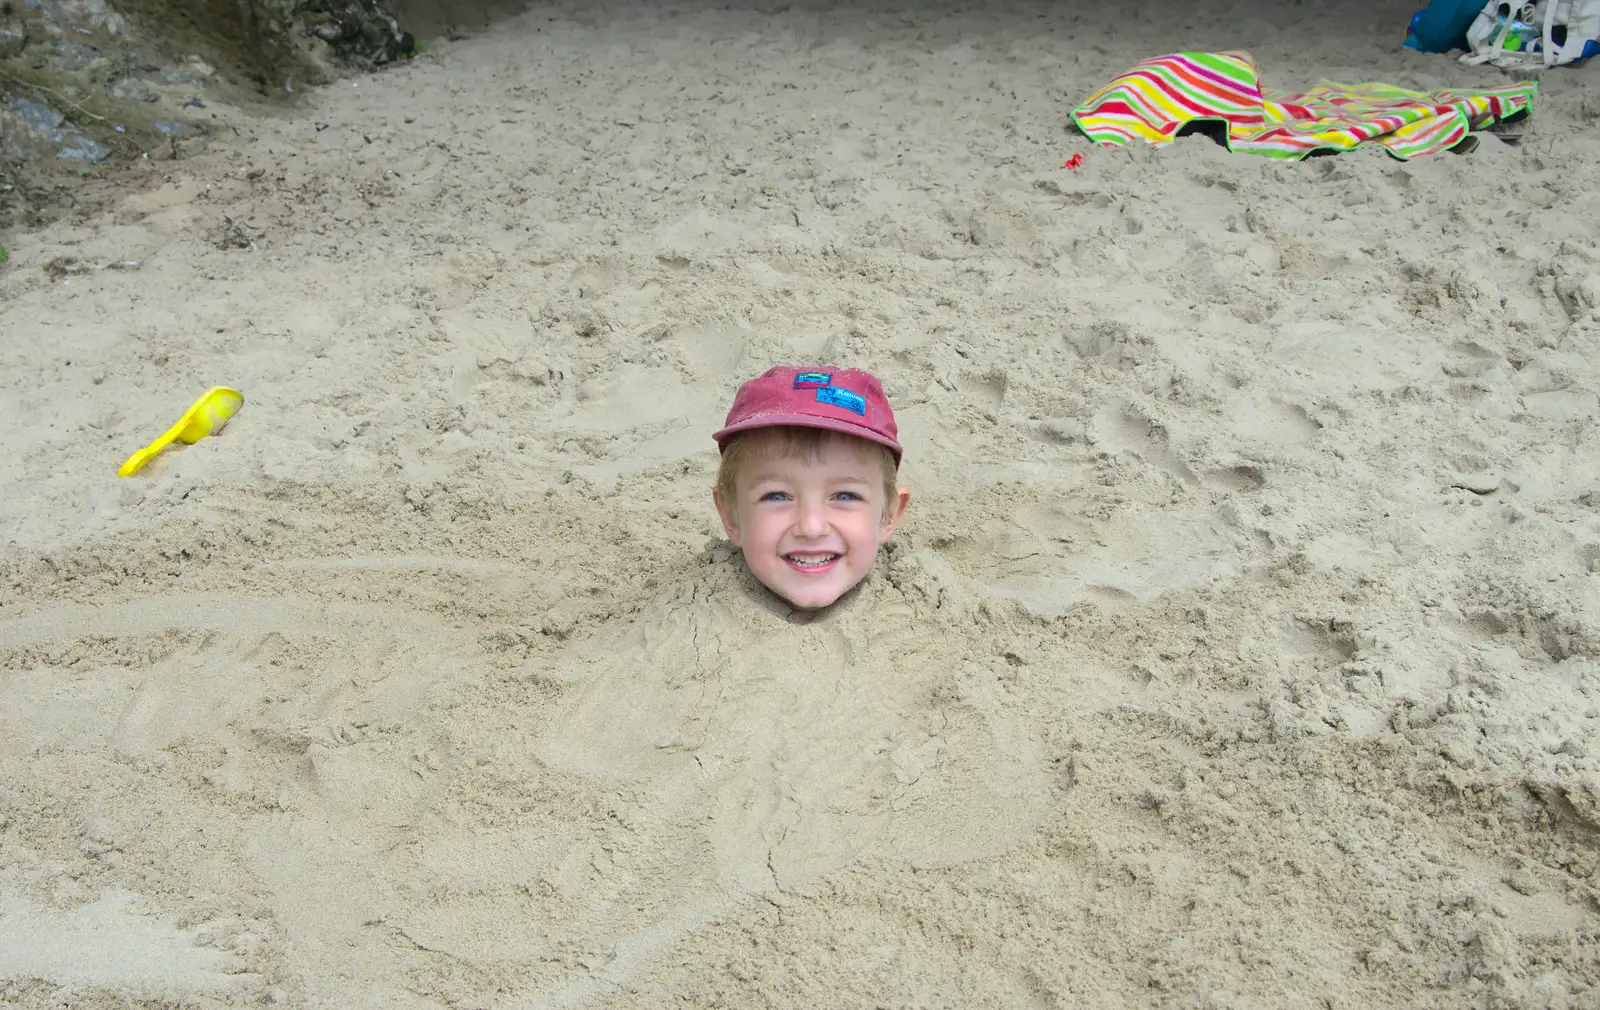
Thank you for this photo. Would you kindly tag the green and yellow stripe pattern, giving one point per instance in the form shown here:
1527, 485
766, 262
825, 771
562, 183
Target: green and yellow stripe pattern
1158, 97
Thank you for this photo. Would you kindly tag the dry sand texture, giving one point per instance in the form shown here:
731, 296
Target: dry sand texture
1240, 649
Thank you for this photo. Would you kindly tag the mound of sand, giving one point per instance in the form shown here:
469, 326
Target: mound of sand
1240, 648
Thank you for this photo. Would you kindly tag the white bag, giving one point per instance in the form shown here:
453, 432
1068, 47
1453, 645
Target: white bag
1521, 36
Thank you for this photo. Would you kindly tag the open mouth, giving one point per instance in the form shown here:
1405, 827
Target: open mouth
811, 562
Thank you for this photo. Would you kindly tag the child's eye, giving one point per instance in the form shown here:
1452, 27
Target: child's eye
775, 496
848, 496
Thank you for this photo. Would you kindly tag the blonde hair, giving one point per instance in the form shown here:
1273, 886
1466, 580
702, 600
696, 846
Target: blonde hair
789, 441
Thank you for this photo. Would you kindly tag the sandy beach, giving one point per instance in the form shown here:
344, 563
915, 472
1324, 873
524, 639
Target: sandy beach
1241, 647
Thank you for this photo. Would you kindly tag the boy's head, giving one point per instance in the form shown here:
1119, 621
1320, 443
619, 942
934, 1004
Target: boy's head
807, 485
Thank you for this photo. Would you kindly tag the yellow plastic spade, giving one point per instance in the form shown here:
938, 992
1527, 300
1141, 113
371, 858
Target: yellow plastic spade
205, 416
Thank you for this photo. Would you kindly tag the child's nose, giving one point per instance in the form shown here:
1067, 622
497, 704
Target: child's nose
811, 519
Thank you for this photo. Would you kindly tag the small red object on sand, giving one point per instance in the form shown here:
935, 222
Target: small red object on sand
1075, 162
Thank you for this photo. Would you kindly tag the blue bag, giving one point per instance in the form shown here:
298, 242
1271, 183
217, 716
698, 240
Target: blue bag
1442, 25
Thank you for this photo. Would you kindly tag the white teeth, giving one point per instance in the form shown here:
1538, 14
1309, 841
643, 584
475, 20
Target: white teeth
810, 561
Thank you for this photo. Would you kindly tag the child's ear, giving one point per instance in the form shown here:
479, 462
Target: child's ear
893, 511
730, 518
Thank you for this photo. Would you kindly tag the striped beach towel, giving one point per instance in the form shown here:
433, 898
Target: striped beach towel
1159, 97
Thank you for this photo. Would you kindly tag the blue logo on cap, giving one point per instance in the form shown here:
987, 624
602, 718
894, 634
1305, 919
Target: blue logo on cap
838, 396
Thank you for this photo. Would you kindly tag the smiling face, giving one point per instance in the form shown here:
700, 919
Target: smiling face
809, 510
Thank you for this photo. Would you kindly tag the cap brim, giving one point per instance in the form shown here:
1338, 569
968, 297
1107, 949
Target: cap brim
807, 421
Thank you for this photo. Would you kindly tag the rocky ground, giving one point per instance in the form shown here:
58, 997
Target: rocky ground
91, 92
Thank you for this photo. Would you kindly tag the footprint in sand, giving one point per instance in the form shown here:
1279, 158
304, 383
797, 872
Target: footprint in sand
1125, 431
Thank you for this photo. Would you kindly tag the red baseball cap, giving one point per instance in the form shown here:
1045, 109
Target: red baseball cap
846, 400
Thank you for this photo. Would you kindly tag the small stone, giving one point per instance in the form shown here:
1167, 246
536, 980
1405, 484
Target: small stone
1477, 483
1523, 882
100, 831
1588, 291
41, 117
12, 40
1063, 429
81, 148
1457, 753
